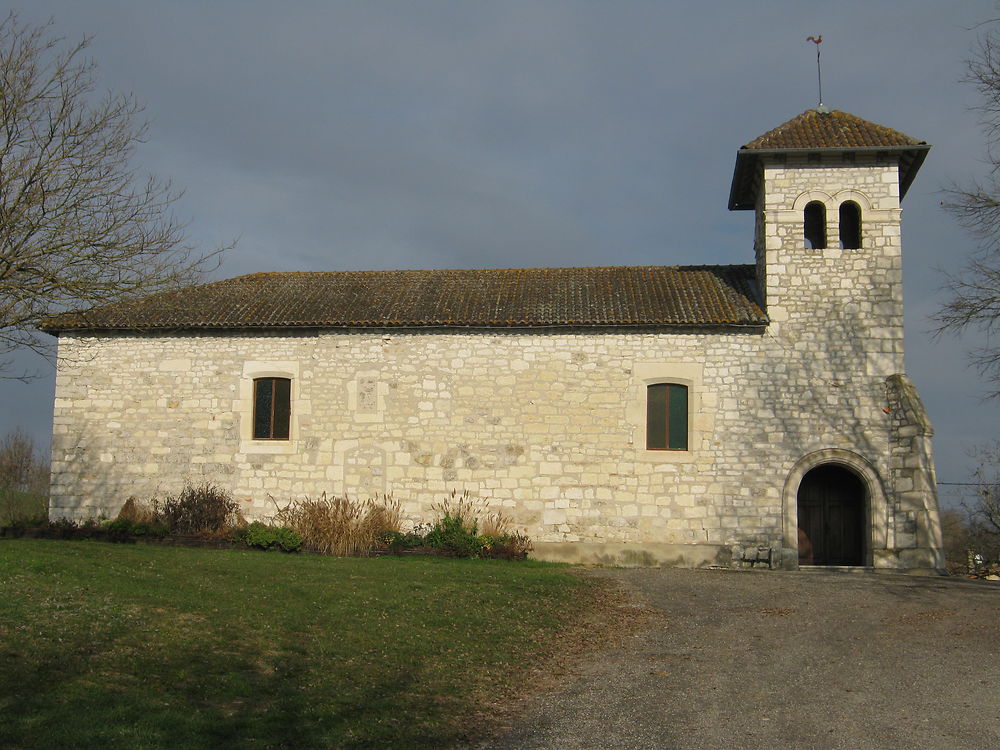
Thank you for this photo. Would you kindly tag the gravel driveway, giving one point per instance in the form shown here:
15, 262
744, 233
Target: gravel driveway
811, 659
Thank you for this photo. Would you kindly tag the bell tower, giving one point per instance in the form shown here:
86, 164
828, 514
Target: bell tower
826, 189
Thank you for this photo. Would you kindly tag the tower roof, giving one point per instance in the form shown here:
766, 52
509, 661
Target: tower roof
822, 130
841, 130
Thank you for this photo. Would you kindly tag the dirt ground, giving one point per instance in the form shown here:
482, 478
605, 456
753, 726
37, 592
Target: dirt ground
765, 659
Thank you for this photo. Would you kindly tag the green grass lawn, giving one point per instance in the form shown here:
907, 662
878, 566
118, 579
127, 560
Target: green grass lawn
139, 646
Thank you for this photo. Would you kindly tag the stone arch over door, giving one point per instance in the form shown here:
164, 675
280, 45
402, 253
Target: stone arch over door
876, 508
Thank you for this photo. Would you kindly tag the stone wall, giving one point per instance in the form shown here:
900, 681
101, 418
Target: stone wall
846, 302
549, 426
916, 533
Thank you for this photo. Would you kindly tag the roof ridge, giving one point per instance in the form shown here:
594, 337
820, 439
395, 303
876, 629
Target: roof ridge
511, 269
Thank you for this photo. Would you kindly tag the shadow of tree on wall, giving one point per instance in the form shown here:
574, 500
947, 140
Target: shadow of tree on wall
823, 399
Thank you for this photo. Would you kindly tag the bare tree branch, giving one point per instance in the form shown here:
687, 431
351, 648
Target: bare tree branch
78, 226
974, 292
983, 507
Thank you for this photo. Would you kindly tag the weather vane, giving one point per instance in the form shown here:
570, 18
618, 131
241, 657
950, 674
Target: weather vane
818, 40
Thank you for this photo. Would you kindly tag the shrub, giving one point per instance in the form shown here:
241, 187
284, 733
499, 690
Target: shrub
509, 546
464, 529
287, 539
31, 522
199, 510
153, 529
338, 525
22, 508
264, 536
456, 534
120, 530
395, 541
136, 511
456, 529
65, 528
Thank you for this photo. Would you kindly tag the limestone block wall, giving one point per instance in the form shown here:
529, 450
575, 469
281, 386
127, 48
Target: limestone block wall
548, 425
917, 527
846, 301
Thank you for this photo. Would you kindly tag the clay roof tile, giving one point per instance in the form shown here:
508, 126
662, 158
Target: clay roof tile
494, 298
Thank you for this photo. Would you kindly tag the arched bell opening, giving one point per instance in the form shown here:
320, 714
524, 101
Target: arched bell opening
850, 225
814, 225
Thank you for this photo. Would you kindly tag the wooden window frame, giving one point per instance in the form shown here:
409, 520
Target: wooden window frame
274, 417
674, 425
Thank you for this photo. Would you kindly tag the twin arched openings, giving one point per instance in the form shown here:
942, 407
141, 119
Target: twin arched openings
814, 224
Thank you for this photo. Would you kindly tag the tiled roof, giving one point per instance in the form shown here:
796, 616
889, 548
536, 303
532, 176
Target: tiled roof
816, 130
834, 129
536, 297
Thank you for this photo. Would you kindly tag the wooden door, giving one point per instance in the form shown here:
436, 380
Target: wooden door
831, 505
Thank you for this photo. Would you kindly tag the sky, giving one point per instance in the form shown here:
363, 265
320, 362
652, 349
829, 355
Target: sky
334, 135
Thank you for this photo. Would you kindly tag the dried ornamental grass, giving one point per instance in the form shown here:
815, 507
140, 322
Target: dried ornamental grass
136, 511
462, 509
495, 525
339, 525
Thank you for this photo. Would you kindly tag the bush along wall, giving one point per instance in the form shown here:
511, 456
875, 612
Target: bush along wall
205, 515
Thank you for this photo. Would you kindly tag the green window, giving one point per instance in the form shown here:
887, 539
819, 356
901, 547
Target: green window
272, 408
666, 417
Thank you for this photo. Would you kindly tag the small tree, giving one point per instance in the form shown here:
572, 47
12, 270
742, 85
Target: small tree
22, 467
984, 505
78, 226
957, 540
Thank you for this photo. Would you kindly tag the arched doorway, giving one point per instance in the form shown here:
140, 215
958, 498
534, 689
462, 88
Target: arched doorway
832, 517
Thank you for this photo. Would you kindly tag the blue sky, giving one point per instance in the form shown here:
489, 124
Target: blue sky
368, 135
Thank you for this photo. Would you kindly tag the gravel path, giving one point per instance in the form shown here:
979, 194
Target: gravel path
755, 659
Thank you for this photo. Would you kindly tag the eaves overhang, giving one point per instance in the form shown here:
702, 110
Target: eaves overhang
742, 192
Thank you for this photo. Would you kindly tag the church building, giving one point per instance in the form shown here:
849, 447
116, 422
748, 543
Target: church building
744, 415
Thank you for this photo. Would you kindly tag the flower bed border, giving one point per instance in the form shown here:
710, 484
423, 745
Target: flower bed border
104, 535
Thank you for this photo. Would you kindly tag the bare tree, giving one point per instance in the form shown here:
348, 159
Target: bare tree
78, 225
986, 505
972, 538
957, 540
974, 292
22, 468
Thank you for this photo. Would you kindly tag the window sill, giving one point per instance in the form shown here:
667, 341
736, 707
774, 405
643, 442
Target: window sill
276, 447
665, 456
